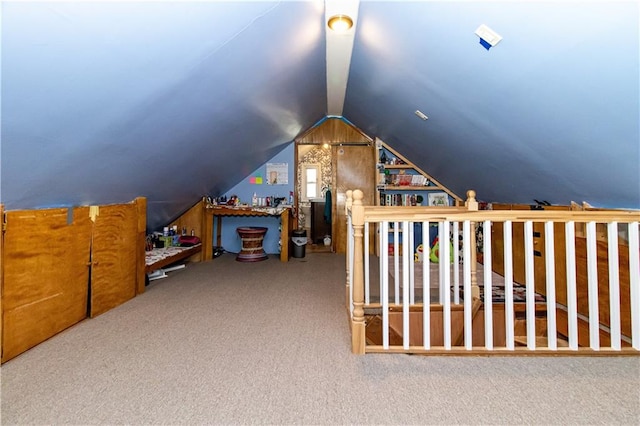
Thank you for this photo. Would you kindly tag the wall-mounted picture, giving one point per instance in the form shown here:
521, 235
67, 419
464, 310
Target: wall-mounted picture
438, 199
277, 173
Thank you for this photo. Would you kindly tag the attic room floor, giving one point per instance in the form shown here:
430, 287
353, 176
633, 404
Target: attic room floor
318, 248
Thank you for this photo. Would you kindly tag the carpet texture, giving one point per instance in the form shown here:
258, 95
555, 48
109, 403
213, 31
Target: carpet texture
224, 342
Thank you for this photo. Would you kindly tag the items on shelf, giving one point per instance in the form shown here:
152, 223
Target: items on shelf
234, 200
400, 199
402, 179
390, 160
170, 238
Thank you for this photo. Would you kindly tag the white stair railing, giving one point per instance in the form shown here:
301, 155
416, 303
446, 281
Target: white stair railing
399, 302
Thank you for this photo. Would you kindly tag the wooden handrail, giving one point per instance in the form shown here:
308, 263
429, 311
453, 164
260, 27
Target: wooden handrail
423, 214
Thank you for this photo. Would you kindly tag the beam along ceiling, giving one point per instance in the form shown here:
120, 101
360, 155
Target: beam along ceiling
106, 101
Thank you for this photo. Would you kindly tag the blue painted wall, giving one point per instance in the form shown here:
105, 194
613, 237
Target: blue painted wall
245, 190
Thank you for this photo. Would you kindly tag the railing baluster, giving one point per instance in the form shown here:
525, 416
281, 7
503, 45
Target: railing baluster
382, 267
468, 302
410, 256
549, 250
508, 286
396, 261
592, 286
366, 263
614, 285
488, 285
445, 269
440, 270
426, 289
634, 275
456, 266
572, 294
406, 249
384, 290
530, 285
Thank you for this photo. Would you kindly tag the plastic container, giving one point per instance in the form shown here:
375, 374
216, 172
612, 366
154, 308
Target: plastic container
299, 240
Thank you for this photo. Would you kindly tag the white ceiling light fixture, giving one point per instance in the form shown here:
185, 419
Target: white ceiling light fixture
339, 50
488, 37
340, 23
421, 115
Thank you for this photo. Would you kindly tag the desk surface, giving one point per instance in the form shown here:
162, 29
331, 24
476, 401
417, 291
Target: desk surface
246, 210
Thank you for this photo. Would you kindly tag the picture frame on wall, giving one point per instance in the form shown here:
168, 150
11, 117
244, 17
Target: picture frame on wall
438, 199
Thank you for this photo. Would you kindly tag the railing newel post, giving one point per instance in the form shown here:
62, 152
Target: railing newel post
358, 325
472, 205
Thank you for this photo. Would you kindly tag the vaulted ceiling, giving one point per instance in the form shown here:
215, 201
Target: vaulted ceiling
106, 101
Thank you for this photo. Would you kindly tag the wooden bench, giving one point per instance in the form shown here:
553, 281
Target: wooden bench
161, 257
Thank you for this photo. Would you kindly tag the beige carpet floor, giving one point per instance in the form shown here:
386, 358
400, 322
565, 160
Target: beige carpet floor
232, 343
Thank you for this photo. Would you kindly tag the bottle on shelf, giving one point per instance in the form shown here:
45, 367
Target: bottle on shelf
383, 157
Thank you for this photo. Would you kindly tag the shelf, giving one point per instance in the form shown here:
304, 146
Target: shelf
396, 166
408, 188
414, 180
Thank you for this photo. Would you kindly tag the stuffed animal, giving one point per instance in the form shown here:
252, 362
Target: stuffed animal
418, 257
434, 255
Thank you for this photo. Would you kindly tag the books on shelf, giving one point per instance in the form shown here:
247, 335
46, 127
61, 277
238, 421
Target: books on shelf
402, 180
418, 180
399, 200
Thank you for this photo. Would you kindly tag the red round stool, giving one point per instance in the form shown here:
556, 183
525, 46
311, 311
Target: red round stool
252, 250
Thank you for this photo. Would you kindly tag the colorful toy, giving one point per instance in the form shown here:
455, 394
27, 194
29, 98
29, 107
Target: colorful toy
418, 257
434, 255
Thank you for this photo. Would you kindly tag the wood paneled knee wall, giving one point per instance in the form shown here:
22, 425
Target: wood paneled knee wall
59, 266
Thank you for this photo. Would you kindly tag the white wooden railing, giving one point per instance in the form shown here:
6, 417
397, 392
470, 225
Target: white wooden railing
450, 318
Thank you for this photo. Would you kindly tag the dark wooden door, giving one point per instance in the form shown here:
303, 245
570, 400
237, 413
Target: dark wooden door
354, 168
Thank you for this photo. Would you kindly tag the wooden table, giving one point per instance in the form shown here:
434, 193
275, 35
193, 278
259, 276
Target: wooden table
213, 212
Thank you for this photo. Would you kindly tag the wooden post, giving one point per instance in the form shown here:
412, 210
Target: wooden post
347, 207
285, 232
206, 236
2, 224
472, 205
358, 326
141, 209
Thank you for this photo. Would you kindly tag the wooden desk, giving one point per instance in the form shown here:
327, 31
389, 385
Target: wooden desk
212, 212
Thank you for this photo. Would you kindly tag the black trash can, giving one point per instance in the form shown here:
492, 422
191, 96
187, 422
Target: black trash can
299, 240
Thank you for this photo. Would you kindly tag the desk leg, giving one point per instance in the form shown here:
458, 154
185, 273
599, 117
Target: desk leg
285, 243
219, 232
206, 237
